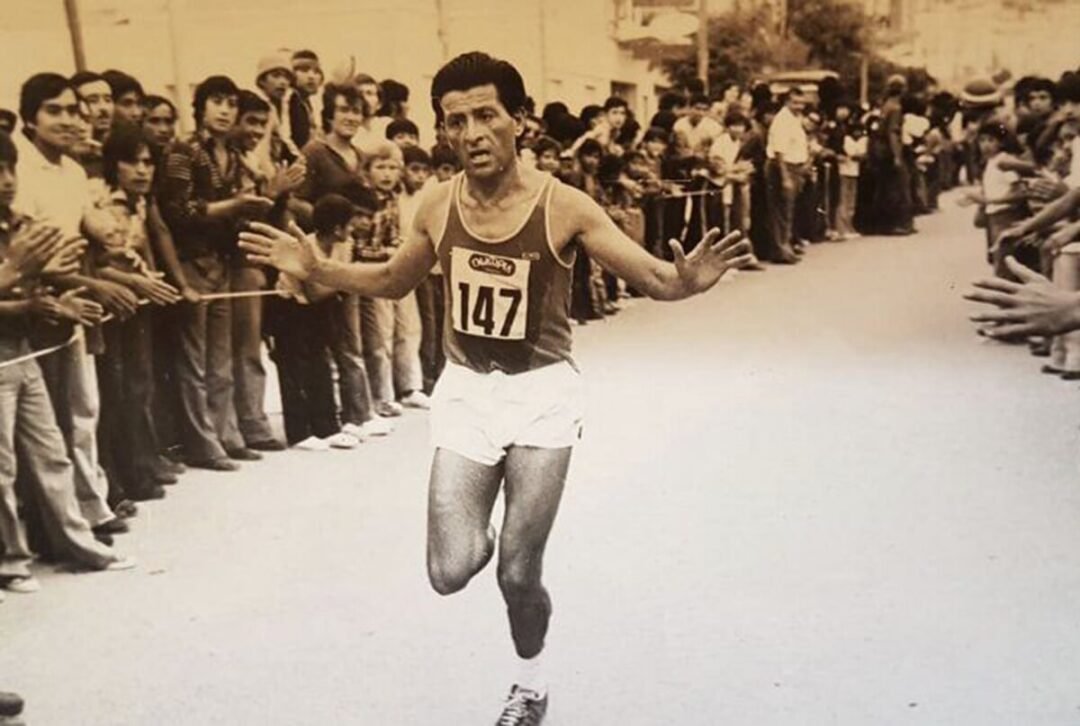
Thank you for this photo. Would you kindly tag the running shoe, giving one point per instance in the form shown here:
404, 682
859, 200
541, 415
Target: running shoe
524, 707
126, 562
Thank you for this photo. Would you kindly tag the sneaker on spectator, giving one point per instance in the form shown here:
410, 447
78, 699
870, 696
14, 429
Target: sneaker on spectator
389, 408
377, 426
22, 585
124, 563
312, 443
342, 440
416, 399
354, 430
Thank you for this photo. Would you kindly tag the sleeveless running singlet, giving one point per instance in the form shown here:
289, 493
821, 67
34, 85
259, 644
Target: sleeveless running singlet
507, 300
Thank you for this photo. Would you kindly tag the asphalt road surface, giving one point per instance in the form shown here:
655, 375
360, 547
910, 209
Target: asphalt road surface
811, 497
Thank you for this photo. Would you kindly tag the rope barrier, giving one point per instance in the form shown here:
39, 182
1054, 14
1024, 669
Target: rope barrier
77, 333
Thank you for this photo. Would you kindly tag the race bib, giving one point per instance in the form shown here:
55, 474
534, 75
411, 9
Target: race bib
490, 294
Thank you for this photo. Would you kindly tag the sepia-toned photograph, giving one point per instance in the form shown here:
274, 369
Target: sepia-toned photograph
521, 362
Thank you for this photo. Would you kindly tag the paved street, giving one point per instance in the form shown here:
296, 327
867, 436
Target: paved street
811, 497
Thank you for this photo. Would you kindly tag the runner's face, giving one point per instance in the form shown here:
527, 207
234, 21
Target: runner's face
480, 130
134, 177
98, 99
160, 125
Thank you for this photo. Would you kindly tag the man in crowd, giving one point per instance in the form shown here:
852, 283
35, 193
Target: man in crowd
29, 434
202, 204
509, 403
788, 153
54, 188
696, 131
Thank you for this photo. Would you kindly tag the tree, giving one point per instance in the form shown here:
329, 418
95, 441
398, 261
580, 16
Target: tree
742, 45
836, 32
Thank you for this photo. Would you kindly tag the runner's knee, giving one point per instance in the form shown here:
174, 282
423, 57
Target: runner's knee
518, 577
450, 572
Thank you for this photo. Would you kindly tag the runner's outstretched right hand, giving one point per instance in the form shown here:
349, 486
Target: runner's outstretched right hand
291, 252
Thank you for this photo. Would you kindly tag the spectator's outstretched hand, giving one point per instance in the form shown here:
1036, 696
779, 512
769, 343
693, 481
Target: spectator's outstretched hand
1033, 306
67, 260
290, 251
711, 259
32, 247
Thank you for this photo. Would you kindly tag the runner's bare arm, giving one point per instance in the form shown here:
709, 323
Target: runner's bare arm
578, 215
292, 253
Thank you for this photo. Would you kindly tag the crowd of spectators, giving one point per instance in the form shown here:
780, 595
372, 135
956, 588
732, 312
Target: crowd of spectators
133, 332
1028, 195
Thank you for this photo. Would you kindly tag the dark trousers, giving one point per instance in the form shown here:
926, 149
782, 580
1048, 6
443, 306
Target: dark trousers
302, 336
784, 183
204, 366
128, 433
430, 298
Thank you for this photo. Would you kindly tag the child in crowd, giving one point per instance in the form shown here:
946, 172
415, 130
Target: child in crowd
391, 328
303, 332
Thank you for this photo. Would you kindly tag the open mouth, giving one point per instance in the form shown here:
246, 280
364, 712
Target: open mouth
479, 157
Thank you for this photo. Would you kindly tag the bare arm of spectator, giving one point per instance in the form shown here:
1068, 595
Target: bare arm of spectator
688, 275
1051, 213
161, 240
181, 208
1034, 306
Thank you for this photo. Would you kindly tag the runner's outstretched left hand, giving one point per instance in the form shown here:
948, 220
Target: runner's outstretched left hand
711, 259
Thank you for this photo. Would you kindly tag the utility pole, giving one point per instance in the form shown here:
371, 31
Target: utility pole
441, 30
703, 43
176, 46
71, 9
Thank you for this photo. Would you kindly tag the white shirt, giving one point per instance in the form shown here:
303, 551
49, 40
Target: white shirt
698, 138
58, 194
854, 150
787, 137
725, 149
997, 183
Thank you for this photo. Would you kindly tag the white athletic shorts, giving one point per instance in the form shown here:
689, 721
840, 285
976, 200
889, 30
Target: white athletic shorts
480, 415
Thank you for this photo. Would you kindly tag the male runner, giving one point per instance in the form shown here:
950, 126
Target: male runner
507, 411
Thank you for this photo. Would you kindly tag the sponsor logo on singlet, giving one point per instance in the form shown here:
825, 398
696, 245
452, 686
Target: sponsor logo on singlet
494, 265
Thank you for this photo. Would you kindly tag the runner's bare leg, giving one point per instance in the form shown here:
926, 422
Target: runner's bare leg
535, 479
461, 495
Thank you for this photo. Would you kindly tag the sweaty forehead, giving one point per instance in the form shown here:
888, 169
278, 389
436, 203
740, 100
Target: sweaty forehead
471, 99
